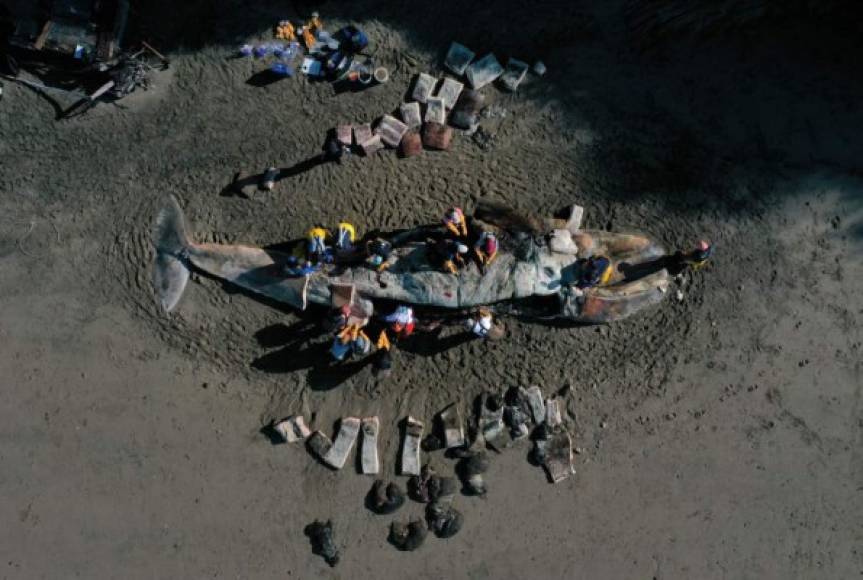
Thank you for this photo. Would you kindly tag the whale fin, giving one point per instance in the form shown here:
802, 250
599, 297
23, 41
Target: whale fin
171, 240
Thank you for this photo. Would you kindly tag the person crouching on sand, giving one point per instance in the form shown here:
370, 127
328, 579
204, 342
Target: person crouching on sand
695, 259
483, 325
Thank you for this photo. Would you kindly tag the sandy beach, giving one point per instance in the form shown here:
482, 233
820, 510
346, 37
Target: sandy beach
718, 435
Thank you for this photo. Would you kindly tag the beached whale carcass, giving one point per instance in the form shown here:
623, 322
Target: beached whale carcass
543, 262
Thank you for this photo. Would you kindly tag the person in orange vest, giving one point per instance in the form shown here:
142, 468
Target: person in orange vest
308, 37
349, 341
450, 254
286, 31
315, 23
384, 360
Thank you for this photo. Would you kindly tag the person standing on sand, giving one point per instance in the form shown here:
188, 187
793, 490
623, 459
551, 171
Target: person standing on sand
333, 149
269, 179
383, 361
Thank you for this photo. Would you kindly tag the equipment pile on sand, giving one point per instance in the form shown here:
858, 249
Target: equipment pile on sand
326, 56
500, 422
428, 117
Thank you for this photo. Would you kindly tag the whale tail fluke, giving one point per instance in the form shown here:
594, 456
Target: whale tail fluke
171, 239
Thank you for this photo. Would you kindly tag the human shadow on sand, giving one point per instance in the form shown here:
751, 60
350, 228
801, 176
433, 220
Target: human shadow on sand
634, 272
330, 376
232, 289
324, 374
289, 359
239, 186
265, 78
431, 343
280, 334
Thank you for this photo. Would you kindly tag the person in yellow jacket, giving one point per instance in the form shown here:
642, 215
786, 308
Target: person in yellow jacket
316, 248
346, 236
351, 333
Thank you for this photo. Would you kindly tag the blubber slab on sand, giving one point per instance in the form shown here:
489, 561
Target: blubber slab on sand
292, 429
411, 114
558, 459
537, 404
514, 74
369, 460
372, 145
343, 134
411, 447
553, 416
423, 87
484, 71
435, 111
336, 456
458, 57
319, 444
391, 130
449, 91
453, 432
491, 419
362, 133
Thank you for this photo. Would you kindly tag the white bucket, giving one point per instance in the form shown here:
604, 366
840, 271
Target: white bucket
382, 75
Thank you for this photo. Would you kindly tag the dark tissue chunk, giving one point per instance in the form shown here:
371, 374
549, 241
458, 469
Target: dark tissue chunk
323, 541
386, 498
445, 522
408, 537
